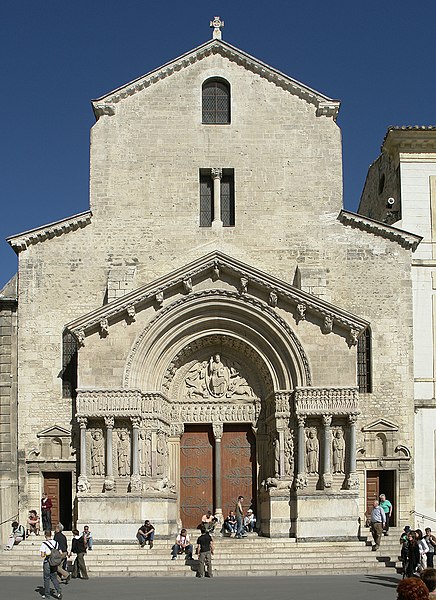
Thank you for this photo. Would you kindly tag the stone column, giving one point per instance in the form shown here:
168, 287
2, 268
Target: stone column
352, 478
216, 176
326, 467
109, 480
83, 483
176, 432
218, 435
135, 478
301, 480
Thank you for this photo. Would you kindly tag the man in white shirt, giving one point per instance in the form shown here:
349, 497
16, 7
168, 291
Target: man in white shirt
183, 544
49, 571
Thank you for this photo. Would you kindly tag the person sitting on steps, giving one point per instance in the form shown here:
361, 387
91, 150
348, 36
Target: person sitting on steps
182, 545
146, 534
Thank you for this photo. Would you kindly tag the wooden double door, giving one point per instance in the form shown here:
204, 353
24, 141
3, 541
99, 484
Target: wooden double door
381, 482
198, 471
58, 487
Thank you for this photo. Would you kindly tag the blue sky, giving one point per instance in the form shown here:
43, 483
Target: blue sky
377, 57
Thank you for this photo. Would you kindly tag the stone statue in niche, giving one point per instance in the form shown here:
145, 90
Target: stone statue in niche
217, 379
123, 454
161, 454
312, 452
289, 454
338, 452
276, 443
97, 453
145, 453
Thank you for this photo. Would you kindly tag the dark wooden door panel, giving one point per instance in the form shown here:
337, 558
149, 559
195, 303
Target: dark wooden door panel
196, 474
372, 489
238, 465
51, 487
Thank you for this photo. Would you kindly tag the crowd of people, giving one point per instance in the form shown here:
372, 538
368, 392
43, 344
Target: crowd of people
422, 588
417, 550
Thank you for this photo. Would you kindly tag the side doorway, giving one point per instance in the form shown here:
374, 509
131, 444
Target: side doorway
381, 482
58, 486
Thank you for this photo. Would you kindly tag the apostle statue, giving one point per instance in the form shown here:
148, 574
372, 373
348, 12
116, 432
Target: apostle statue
145, 453
123, 454
97, 453
339, 452
312, 452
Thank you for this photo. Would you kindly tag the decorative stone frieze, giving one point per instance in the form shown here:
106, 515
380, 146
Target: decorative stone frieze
318, 401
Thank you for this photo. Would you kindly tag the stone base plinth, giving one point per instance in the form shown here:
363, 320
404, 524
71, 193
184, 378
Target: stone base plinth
118, 518
274, 512
323, 516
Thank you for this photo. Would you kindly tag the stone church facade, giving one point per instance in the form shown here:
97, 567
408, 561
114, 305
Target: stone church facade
216, 324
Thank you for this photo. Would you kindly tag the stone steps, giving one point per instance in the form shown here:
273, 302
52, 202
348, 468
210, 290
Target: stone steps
247, 557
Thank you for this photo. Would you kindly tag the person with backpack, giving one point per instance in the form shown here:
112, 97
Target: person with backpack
52, 558
18, 534
78, 547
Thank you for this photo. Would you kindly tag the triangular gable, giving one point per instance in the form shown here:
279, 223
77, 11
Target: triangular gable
324, 105
380, 425
213, 265
54, 431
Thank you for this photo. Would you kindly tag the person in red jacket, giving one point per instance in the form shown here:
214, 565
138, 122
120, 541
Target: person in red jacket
46, 506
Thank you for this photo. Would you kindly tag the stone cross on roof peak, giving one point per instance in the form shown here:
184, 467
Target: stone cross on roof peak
216, 24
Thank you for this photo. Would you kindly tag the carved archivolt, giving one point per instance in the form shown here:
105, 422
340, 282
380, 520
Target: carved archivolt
279, 328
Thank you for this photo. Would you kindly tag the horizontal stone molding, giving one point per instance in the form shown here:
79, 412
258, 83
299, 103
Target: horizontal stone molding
319, 401
122, 403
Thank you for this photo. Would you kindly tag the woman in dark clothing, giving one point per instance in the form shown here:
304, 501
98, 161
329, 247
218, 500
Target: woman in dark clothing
78, 547
413, 555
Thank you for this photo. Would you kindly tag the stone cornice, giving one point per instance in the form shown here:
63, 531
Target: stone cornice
21, 241
213, 265
318, 401
122, 403
324, 106
410, 138
404, 238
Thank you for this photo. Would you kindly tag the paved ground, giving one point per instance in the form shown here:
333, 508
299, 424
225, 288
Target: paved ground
375, 587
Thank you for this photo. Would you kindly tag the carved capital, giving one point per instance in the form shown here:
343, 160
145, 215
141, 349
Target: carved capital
301, 420
136, 422
177, 429
109, 421
216, 173
326, 420
83, 421
352, 419
217, 429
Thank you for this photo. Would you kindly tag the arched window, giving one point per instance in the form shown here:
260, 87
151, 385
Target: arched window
216, 101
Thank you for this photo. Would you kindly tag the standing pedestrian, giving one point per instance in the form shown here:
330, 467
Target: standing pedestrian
46, 506
78, 548
378, 519
431, 543
205, 548
50, 573
60, 538
239, 511
387, 507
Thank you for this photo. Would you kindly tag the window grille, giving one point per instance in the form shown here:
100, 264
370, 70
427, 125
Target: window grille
216, 102
206, 200
69, 366
364, 379
228, 200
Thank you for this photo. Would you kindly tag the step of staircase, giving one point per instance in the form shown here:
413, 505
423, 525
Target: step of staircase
252, 556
